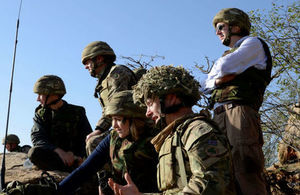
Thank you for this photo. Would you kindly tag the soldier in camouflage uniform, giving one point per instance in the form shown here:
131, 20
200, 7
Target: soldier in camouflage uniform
194, 155
237, 83
98, 58
12, 144
59, 130
127, 146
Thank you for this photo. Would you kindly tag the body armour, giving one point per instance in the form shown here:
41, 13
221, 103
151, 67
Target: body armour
195, 159
138, 158
248, 87
115, 78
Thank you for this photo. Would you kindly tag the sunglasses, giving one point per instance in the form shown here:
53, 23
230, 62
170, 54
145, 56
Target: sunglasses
220, 27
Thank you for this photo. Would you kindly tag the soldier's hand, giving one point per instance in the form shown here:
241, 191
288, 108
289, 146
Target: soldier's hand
78, 160
224, 79
129, 189
96, 132
67, 157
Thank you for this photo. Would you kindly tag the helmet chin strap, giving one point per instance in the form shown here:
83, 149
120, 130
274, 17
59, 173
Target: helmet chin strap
51, 103
94, 66
227, 40
167, 110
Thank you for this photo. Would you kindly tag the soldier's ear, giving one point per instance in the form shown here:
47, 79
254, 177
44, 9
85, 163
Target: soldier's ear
171, 99
235, 29
99, 58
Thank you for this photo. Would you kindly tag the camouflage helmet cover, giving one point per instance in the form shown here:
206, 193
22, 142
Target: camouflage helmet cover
11, 139
96, 48
162, 80
49, 85
233, 16
121, 103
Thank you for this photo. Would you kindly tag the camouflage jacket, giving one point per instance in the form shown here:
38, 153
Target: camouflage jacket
195, 159
65, 128
114, 79
138, 158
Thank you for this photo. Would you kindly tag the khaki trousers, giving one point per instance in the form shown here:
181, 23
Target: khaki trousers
241, 124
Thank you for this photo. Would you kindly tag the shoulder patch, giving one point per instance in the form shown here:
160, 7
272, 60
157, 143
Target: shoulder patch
194, 131
211, 151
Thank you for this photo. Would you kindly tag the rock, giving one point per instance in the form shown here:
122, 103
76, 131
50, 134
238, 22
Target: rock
15, 171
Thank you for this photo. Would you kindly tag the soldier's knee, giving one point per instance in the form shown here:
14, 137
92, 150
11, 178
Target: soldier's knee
34, 153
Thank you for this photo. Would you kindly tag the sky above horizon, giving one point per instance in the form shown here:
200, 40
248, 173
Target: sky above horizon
53, 33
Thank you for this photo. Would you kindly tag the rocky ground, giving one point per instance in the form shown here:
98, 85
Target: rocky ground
15, 171
282, 179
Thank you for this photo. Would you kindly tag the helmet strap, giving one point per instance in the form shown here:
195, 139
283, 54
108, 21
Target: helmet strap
51, 103
94, 66
167, 110
227, 40
171, 109
162, 122
46, 105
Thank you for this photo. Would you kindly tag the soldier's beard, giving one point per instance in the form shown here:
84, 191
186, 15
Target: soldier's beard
227, 40
161, 124
93, 72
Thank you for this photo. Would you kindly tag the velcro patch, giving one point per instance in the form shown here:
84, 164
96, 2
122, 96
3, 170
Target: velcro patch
212, 142
211, 151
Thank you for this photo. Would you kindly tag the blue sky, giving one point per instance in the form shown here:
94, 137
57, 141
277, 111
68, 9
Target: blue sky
53, 33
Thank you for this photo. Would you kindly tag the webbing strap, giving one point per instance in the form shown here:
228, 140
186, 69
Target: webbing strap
180, 160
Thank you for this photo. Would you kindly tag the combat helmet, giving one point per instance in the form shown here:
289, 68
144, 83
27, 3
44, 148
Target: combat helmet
162, 80
11, 139
97, 48
234, 16
121, 103
49, 85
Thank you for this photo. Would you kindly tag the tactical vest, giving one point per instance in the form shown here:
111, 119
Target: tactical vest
137, 158
248, 87
174, 170
103, 88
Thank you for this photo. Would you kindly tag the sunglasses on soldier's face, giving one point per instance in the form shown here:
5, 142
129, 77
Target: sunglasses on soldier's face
220, 27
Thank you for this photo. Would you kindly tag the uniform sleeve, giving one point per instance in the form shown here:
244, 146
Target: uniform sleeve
104, 123
39, 135
120, 79
85, 129
90, 166
209, 163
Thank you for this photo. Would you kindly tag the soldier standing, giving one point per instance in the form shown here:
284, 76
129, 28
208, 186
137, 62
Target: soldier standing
12, 144
59, 130
194, 155
98, 58
237, 83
